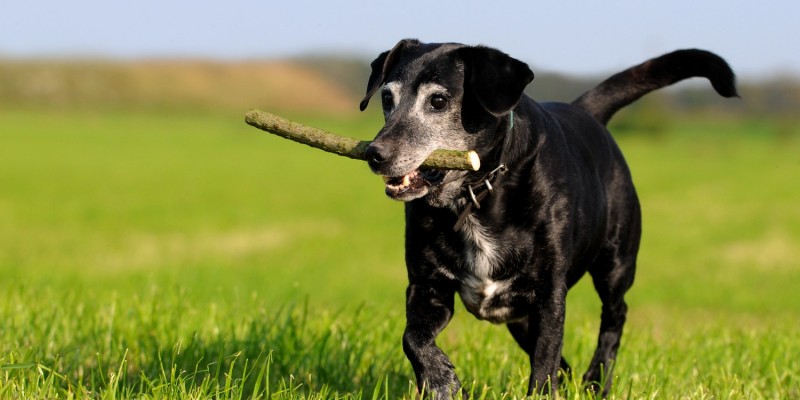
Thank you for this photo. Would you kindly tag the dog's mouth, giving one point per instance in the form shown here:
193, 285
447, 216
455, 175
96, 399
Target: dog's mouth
412, 185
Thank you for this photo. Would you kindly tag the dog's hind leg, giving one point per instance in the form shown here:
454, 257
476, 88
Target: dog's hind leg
519, 330
542, 340
612, 278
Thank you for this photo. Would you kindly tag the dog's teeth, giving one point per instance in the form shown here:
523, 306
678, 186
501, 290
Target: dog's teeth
406, 180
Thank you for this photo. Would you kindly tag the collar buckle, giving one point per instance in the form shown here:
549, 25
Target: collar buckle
487, 182
475, 199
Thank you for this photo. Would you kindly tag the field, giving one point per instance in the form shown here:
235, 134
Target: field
185, 255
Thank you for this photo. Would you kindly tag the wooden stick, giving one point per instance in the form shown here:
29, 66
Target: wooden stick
349, 147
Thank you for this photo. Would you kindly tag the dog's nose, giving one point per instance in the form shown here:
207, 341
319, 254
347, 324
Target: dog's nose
375, 156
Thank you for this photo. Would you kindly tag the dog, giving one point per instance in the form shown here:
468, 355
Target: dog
553, 200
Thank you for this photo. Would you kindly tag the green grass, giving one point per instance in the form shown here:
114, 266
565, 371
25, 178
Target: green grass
191, 256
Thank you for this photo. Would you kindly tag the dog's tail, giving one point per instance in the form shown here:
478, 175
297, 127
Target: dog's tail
627, 86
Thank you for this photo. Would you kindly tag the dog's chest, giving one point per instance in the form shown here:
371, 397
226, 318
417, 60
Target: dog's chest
488, 299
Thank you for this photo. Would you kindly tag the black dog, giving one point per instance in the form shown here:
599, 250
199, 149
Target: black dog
553, 199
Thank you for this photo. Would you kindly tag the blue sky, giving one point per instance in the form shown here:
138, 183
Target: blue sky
758, 38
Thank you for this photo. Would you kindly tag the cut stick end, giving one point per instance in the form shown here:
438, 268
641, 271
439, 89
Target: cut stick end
474, 160
251, 115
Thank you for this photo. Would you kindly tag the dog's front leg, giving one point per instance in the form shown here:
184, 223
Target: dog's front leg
546, 329
428, 310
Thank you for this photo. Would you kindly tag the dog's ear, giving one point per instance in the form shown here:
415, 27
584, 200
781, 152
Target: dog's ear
381, 67
496, 79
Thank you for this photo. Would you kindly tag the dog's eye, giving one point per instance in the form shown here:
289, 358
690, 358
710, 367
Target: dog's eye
387, 100
438, 102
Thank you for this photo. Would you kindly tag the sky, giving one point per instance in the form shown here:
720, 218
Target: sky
759, 39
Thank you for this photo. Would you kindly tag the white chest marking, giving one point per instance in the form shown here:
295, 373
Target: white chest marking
481, 250
490, 288
477, 287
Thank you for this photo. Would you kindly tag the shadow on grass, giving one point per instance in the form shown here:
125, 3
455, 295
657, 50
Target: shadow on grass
291, 353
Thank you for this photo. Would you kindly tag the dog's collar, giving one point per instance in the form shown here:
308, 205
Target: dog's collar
476, 193
483, 189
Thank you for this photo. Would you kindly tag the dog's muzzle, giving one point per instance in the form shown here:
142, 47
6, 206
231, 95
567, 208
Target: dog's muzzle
406, 186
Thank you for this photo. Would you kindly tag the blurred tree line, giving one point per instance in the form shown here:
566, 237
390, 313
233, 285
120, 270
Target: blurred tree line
334, 84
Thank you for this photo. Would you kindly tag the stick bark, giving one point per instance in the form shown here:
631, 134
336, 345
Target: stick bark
349, 147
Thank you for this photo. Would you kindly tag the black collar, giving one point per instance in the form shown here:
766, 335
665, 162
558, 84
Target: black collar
476, 193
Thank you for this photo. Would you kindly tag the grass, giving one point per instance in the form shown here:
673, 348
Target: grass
190, 256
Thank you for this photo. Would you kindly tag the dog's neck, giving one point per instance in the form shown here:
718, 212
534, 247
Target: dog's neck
476, 192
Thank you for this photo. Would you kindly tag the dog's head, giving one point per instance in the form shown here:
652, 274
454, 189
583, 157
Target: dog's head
448, 96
